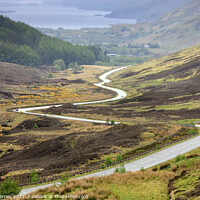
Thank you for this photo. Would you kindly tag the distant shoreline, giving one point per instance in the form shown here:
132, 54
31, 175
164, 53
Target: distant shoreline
7, 11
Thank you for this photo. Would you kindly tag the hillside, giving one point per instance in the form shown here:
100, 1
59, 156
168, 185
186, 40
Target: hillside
161, 107
162, 90
22, 44
179, 29
147, 10
143, 10
163, 95
176, 179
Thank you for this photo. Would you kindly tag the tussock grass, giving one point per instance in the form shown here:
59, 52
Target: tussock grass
117, 186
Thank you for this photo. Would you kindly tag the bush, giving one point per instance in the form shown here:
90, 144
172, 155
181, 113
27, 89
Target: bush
59, 63
119, 158
34, 176
57, 67
70, 66
180, 157
120, 169
9, 187
102, 166
157, 146
109, 161
112, 122
64, 178
35, 126
49, 75
142, 169
192, 131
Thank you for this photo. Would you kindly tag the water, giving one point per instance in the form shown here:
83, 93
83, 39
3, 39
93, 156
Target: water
66, 17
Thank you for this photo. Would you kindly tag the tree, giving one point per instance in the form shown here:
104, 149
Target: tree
57, 67
70, 66
35, 126
112, 122
60, 63
77, 67
49, 75
34, 176
109, 161
9, 187
22, 44
119, 158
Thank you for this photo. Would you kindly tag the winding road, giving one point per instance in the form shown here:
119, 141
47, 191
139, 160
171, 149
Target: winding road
145, 162
120, 95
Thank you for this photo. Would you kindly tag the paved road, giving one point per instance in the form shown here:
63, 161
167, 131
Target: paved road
120, 95
146, 162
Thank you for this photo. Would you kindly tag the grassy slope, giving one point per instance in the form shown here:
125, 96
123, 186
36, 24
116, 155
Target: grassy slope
162, 89
183, 173
167, 83
179, 29
145, 75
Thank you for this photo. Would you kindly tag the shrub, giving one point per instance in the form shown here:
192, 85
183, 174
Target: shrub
192, 131
180, 157
64, 178
157, 146
112, 122
71, 65
57, 67
35, 126
9, 187
102, 166
49, 75
34, 176
60, 63
109, 161
142, 169
120, 169
119, 158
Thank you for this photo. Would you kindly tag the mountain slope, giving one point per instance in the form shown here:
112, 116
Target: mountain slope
163, 89
22, 44
179, 29
147, 10
143, 10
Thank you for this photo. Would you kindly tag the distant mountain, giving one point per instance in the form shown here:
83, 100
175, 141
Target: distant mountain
105, 5
147, 10
180, 28
22, 44
143, 10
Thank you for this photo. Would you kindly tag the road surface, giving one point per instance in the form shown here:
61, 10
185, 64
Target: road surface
145, 162
120, 95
